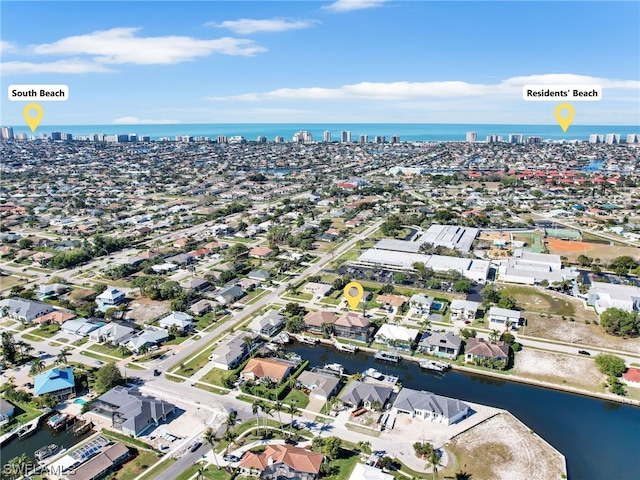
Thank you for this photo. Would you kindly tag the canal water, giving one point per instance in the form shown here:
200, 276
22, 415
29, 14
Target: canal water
599, 439
44, 436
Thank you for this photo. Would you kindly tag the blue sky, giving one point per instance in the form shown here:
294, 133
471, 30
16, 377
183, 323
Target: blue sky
342, 61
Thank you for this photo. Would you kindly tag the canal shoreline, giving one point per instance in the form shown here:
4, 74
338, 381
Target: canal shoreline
508, 377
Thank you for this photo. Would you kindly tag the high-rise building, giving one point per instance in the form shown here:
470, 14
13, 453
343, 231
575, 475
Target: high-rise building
595, 138
345, 136
302, 136
145, 138
515, 138
379, 139
612, 138
327, 136
67, 137
279, 139
6, 133
56, 136
363, 139
633, 138
222, 139
133, 137
394, 139
531, 140
472, 137
261, 139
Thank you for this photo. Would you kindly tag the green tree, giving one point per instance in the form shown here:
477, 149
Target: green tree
620, 323
37, 366
400, 278
610, 364
468, 333
293, 410
9, 349
364, 447
490, 293
62, 356
434, 462
107, 377
462, 286
331, 447
494, 335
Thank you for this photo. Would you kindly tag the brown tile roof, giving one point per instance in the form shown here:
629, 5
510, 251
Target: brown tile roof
297, 458
316, 319
58, 316
260, 251
480, 347
265, 367
393, 300
352, 319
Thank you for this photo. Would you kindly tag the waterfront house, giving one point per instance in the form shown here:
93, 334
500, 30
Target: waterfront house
278, 462
317, 322
632, 377
57, 381
396, 336
111, 297
131, 412
267, 368
232, 350
321, 385
482, 352
428, 406
440, 344
352, 326
268, 324
100, 465
7, 410
360, 394
181, 320
463, 309
24, 310
502, 319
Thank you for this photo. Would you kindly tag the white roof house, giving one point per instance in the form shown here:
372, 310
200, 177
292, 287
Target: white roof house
367, 472
148, 336
609, 295
179, 319
112, 333
396, 335
463, 309
269, 323
110, 298
421, 303
499, 317
429, 406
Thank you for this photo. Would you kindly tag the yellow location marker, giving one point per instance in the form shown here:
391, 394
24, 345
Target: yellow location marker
354, 293
564, 120
33, 120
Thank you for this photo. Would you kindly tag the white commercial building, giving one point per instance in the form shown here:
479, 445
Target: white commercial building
533, 268
609, 295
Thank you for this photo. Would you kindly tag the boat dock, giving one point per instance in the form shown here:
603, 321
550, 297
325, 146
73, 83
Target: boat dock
345, 347
84, 426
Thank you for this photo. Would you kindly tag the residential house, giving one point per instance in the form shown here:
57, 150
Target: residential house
197, 285
181, 320
279, 462
268, 324
259, 275
632, 377
420, 304
232, 350
260, 252
318, 289
440, 344
396, 336
148, 337
503, 318
367, 472
57, 381
321, 385
80, 326
428, 406
24, 310
111, 297
131, 412
52, 290
112, 333
100, 465
353, 326
57, 316
271, 368
463, 310
317, 322
480, 351
361, 394
229, 295
7, 409
201, 307
392, 301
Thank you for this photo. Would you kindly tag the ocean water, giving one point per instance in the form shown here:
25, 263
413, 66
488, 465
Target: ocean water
406, 131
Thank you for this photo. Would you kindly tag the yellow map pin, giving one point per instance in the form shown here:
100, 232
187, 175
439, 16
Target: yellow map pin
33, 120
354, 292
564, 120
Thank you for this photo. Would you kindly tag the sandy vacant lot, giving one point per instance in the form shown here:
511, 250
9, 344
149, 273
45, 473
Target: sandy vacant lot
502, 448
579, 372
144, 310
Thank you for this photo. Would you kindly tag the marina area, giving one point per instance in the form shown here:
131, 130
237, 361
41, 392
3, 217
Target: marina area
558, 417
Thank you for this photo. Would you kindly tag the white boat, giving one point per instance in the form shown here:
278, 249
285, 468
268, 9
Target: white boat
373, 373
282, 338
387, 356
46, 451
433, 365
334, 367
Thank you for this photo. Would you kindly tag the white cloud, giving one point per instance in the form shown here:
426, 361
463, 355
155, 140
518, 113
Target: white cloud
245, 26
70, 66
6, 47
137, 121
121, 45
428, 90
349, 5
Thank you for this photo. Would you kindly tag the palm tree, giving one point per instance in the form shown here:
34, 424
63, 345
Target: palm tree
144, 349
37, 366
19, 464
124, 350
248, 341
266, 409
210, 437
229, 436
494, 335
62, 356
463, 476
256, 406
293, 410
279, 407
231, 419
434, 461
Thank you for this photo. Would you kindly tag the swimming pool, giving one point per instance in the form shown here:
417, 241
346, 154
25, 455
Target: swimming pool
80, 401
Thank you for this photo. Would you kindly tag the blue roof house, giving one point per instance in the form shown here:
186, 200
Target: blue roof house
57, 381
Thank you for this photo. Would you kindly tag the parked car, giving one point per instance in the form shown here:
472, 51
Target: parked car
231, 458
584, 352
196, 445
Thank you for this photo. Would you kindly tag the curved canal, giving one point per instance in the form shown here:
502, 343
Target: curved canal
599, 439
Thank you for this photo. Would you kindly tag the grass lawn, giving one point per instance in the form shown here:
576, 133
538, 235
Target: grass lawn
46, 331
297, 396
23, 413
32, 338
210, 472
209, 388
344, 464
80, 342
215, 376
135, 467
133, 366
186, 369
297, 296
533, 300
255, 297
97, 356
107, 350
330, 301
357, 428
153, 472
176, 340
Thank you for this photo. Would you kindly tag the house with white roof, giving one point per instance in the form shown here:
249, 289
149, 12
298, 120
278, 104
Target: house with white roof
463, 309
231, 351
428, 406
23, 309
111, 297
503, 318
181, 320
440, 344
148, 337
608, 295
113, 333
421, 304
396, 336
268, 324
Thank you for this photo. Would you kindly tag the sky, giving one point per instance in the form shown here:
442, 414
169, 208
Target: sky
344, 61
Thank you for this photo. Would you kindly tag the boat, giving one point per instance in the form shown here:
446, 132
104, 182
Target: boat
373, 373
46, 451
282, 338
387, 356
345, 347
58, 421
334, 367
308, 340
435, 366
27, 430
